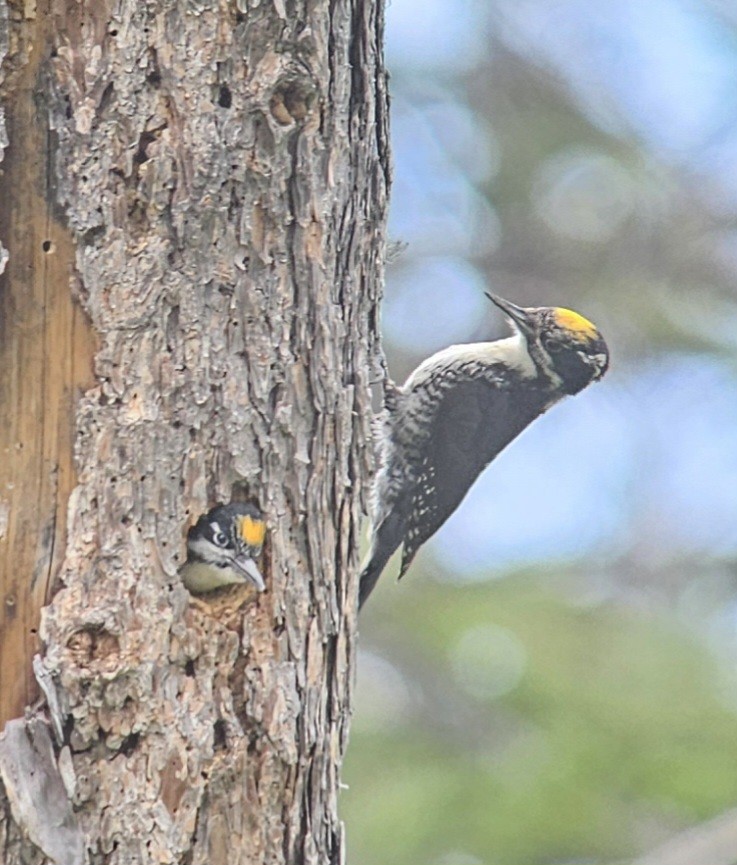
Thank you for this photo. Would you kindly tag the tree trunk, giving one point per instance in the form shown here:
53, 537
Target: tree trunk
193, 204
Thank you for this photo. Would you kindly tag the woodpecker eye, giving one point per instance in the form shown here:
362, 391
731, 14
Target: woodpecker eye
220, 538
552, 346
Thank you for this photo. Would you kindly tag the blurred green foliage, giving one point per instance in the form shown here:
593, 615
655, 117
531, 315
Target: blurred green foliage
517, 726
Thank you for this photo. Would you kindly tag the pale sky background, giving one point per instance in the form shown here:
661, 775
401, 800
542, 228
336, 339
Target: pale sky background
651, 451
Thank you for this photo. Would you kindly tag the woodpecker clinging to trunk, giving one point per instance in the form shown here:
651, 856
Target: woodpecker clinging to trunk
458, 410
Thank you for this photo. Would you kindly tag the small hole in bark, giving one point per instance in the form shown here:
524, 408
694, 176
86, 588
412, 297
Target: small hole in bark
106, 98
146, 138
130, 743
92, 234
47, 246
68, 727
218, 735
189, 668
113, 32
225, 97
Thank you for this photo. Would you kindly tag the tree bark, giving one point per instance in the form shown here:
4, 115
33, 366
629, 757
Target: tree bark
213, 178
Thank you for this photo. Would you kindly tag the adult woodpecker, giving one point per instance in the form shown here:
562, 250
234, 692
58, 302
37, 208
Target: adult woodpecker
223, 547
458, 410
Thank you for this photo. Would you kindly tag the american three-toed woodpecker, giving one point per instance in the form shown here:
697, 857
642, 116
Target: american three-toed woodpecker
223, 547
458, 410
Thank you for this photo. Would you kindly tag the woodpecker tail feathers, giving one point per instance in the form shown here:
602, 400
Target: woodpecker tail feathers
387, 537
369, 578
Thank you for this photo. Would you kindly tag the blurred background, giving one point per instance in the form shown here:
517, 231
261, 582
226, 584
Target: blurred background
554, 681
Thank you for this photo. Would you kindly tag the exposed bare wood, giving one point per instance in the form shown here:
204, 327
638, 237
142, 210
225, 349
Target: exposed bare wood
46, 358
36, 793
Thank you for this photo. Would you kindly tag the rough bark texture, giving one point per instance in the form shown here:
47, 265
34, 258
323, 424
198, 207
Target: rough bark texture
220, 171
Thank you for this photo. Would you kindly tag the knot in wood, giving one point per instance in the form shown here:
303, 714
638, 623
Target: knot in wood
292, 101
91, 643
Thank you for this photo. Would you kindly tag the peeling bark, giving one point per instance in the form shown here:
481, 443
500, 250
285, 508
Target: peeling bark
38, 799
219, 171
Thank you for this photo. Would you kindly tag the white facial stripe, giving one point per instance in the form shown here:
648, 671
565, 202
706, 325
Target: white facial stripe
548, 368
511, 351
209, 551
599, 363
597, 360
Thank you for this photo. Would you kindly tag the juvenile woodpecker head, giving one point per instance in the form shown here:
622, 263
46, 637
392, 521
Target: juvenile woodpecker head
222, 548
566, 348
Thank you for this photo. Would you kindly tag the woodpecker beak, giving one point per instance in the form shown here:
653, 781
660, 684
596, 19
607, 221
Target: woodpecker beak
521, 317
246, 566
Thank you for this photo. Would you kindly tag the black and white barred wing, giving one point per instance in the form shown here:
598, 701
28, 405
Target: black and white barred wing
473, 422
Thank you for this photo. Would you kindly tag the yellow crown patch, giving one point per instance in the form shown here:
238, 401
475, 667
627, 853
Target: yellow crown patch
252, 531
575, 323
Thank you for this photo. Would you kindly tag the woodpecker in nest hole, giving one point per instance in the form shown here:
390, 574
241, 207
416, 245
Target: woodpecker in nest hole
458, 410
223, 547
